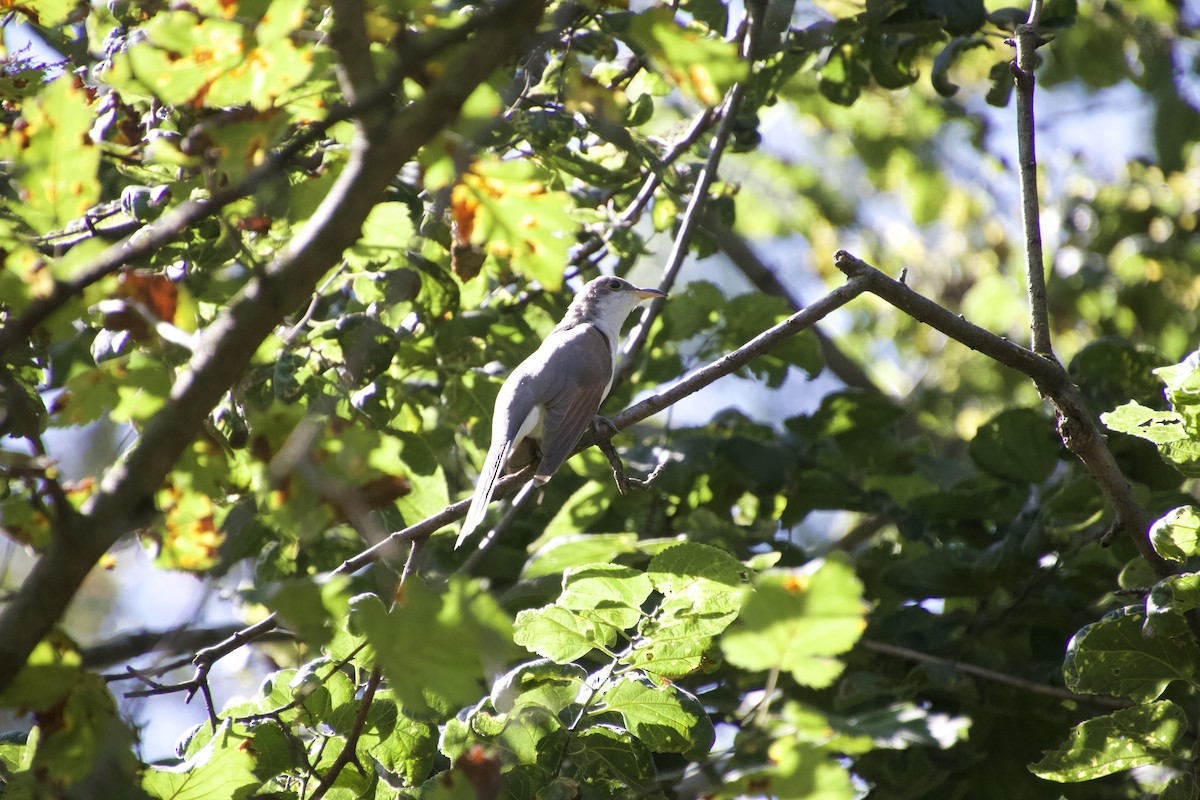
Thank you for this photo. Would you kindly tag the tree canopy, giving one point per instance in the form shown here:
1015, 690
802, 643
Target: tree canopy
289, 250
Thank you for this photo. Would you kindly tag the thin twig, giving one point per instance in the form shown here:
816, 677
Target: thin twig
992, 675
691, 215
510, 516
605, 431
594, 688
174, 640
1027, 41
351, 744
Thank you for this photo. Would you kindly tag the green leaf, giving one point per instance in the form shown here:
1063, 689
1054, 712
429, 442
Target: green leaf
704, 67
1132, 737
274, 752
564, 552
222, 769
1111, 370
616, 593
1160, 427
55, 157
403, 745
607, 753
1018, 444
1168, 601
665, 718
542, 684
698, 577
559, 634
507, 207
181, 57
418, 462
50, 674
671, 646
1114, 657
797, 621
1176, 535
1184, 455
1183, 381
801, 770
386, 234
308, 605
431, 645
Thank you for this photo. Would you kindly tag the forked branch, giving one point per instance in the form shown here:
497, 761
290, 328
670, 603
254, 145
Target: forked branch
1078, 429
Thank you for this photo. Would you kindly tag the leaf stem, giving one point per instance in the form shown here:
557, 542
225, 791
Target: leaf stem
594, 688
760, 714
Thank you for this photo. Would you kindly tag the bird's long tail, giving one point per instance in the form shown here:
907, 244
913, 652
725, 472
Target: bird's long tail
496, 459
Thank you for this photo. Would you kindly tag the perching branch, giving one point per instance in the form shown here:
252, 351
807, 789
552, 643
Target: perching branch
694, 382
1076, 426
126, 495
739, 251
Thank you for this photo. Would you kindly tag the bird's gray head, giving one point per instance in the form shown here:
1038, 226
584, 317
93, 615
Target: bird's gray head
606, 302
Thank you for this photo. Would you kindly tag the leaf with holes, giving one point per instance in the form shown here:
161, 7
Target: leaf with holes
1132, 737
1114, 657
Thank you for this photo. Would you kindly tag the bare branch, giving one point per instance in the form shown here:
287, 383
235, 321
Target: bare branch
739, 251
1077, 427
992, 675
173, 641
1027, 41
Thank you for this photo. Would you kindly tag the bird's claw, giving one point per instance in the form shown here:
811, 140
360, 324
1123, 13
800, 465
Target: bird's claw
605, 428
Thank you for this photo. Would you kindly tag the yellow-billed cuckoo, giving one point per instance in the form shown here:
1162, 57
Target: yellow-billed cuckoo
547, 402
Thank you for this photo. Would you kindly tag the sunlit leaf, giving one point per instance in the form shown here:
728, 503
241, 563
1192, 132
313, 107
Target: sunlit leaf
55, 157
1115, 657
1122, 740
798, 621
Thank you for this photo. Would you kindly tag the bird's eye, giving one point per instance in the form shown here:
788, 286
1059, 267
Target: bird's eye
614, 284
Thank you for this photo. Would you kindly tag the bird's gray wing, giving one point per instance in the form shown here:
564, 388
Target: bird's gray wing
577, 379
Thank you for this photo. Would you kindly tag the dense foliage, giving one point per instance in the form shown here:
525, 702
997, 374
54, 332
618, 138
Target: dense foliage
289, 250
